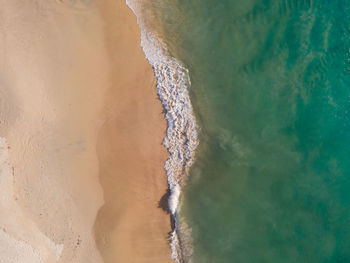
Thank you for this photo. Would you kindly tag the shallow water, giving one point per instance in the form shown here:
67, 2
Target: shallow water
270, 88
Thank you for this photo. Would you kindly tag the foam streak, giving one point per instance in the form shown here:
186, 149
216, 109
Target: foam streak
181, 138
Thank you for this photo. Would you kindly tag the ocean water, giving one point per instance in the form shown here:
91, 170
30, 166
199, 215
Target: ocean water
270, 88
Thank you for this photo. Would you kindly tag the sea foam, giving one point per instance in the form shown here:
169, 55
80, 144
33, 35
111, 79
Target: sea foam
181, 138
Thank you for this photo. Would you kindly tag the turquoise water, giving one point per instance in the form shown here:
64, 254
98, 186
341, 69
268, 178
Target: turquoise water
270, 88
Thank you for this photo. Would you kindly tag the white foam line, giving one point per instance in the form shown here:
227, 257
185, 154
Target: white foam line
181, 138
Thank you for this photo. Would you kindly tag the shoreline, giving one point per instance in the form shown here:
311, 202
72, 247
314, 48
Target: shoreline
181, 138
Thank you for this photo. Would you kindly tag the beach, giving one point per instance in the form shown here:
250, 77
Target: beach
129, 144
81, 136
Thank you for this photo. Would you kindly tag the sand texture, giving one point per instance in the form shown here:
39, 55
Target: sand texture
81, 129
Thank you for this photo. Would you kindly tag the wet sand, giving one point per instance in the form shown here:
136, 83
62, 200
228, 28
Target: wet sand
81, 128
131, 227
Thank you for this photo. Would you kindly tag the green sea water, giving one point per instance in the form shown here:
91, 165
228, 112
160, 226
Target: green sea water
271, 93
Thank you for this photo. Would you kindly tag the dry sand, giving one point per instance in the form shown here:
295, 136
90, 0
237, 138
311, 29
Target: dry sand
81, 130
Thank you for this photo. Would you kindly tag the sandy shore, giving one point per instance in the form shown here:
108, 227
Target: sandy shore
81, 130
131, 227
